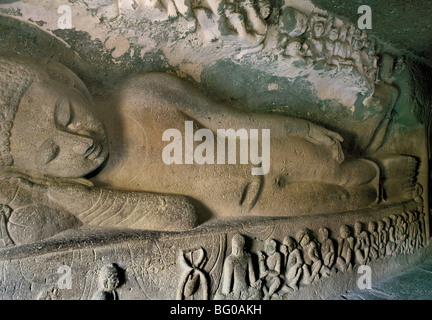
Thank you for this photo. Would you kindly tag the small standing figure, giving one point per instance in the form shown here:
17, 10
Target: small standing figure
345, 250
293, 263
238, 277
193, 278
312, 262
270, 269
108, 282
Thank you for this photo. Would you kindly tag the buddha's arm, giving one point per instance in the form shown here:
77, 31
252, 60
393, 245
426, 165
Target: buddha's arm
126, 209
114, 208
164, 91
216, 116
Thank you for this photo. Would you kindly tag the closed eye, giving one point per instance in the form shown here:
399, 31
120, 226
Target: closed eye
63, 113
47, 152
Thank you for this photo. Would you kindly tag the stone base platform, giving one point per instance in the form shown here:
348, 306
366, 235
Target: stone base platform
193, 264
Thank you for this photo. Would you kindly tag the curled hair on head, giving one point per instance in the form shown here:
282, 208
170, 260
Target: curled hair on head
17, 74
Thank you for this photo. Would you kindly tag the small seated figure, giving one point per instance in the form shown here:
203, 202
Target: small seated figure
270, 264
330, 47
312, 262
342, 48
293, 263
345, 250
328, 253
316, 41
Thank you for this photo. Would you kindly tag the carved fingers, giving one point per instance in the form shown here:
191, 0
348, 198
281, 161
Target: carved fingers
25, 181
331, 139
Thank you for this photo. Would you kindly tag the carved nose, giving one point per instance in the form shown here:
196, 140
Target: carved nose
81, 142
83, 145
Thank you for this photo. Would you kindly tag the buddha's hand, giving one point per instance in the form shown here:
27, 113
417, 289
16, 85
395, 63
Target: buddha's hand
43, 184
328, 138
25, 181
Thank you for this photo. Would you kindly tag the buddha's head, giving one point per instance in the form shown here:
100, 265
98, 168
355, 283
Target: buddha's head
46, 119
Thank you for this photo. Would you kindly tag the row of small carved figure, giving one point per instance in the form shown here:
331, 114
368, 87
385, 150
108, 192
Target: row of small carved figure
314, 38
303, 260
342, 45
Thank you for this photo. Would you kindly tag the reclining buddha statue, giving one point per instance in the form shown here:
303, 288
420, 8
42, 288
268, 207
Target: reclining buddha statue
102, 166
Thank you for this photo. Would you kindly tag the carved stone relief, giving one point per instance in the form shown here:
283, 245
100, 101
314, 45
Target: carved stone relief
138, 190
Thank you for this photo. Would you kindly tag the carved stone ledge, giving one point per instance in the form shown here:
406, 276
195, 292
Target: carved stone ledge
161, 265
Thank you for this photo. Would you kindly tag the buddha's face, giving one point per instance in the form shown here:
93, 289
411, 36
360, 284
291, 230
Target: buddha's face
55, 132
